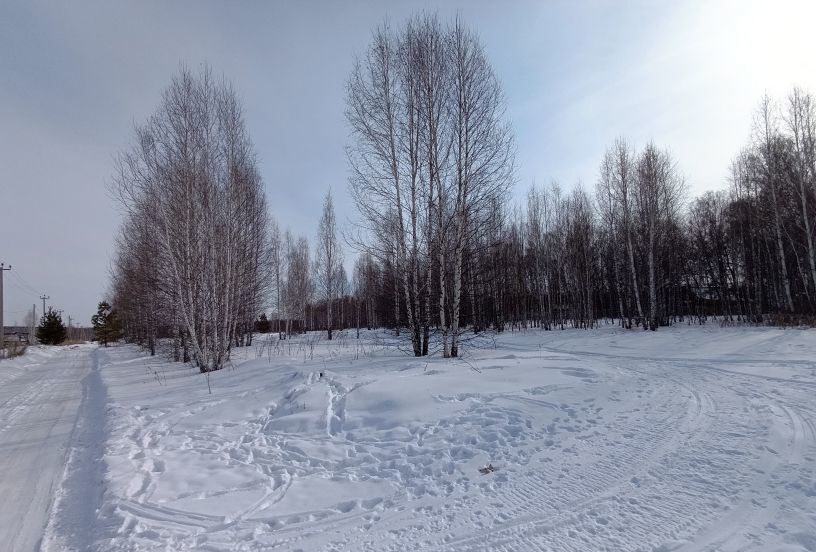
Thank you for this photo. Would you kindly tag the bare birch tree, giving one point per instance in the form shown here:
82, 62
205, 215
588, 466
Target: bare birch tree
765, 127
328, 259
195, 207
432, 149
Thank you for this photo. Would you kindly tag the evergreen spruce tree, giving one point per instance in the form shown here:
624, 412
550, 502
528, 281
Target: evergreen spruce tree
106, 325
51, 330
263, 325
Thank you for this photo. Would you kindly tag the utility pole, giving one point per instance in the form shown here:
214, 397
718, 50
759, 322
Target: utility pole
2, 332
33, 323
44, 297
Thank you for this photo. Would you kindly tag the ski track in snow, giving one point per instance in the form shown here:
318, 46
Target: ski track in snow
599, 440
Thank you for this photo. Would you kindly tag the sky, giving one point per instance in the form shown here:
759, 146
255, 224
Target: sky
76, 77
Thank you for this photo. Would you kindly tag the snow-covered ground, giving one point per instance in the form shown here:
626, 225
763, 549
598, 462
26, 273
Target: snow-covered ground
690, 438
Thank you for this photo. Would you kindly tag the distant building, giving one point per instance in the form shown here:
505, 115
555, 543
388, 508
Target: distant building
17, 334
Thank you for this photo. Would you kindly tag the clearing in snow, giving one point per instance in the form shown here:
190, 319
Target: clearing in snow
690, 438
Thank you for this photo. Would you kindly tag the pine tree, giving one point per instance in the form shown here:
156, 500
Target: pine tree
263, 325
51, 330
106, 325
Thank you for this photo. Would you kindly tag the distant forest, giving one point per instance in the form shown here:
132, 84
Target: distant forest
442, 250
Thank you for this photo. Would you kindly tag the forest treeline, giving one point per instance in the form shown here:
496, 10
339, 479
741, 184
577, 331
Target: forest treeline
441, 248
636, 249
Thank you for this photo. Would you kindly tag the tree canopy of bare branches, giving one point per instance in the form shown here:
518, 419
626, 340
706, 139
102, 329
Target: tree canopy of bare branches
192, 252
431, 149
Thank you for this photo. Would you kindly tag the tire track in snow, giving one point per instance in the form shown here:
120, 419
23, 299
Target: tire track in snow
73, 523
721, 438
543, 505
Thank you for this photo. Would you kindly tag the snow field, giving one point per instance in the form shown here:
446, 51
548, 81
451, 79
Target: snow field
690, 438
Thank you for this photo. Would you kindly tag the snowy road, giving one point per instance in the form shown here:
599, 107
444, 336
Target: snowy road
39, 410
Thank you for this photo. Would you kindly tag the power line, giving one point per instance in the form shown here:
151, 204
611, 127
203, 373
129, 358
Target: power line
21, 289
21, 277
24, 282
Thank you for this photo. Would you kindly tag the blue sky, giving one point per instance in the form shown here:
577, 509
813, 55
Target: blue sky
75, 77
